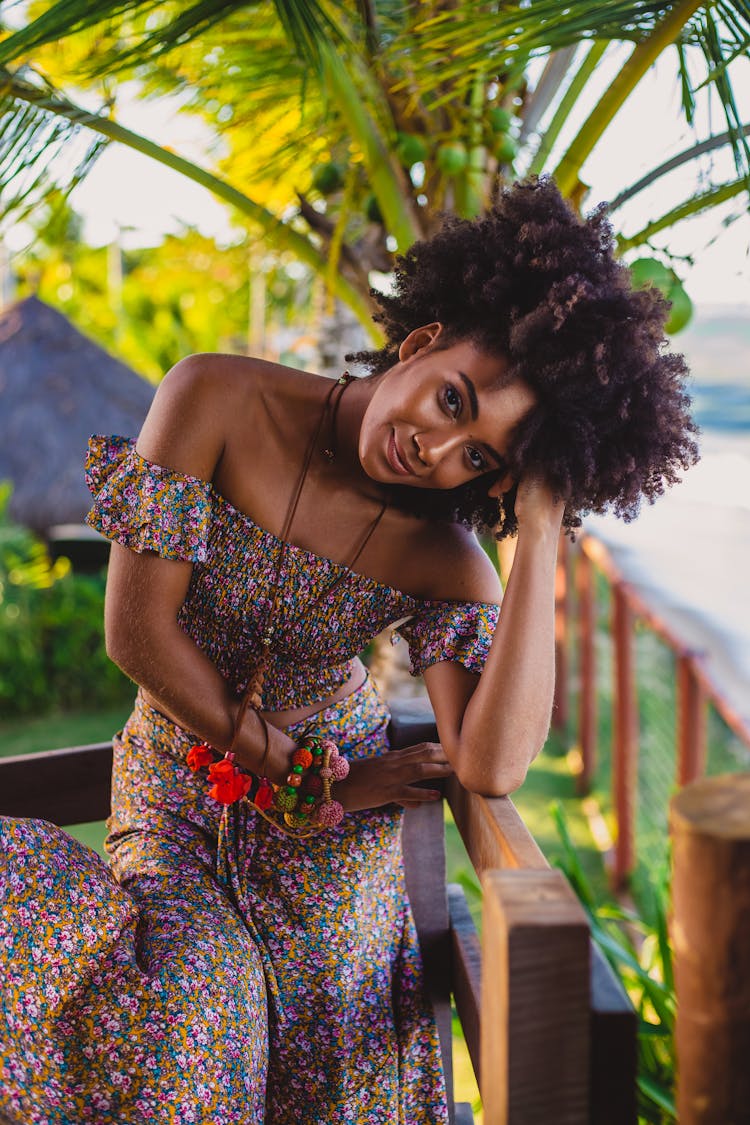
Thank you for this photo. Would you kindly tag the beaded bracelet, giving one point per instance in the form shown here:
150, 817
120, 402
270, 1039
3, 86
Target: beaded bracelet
304, 801
305, 798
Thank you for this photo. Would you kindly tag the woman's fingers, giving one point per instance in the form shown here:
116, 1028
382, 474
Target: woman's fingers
423, 752
400, 776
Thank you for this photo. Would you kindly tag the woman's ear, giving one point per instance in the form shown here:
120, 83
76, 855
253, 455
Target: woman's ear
419, 339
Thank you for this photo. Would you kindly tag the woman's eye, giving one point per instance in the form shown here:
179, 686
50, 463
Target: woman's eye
452, 400
477, 460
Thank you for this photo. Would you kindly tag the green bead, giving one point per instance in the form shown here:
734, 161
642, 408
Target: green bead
286, 800
309, 799
297, 769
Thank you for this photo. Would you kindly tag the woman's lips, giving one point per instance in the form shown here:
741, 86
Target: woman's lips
396, 459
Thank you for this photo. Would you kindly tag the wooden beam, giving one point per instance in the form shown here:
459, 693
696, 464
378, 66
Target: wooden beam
535, 1002
467, 972
710, 825
692, 715
587, 732
625, 735
614, 1047
562, 610
493, 833
423, 841
69, 786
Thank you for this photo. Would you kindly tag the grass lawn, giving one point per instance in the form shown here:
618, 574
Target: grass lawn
52, 732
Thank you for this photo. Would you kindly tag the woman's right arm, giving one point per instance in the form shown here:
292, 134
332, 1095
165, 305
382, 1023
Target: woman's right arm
143, 637
186, 430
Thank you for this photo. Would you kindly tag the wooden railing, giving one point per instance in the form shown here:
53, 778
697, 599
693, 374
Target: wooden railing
550, 1033
695, 688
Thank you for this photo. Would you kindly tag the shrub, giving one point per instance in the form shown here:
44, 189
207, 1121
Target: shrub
52, 652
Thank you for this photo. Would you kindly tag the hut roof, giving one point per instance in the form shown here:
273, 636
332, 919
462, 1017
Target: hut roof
57, 388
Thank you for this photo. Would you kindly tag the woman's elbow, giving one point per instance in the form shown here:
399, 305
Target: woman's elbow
490, 781
120, 651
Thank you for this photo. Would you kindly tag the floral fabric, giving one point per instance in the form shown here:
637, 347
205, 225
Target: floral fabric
449, 631
219, 971
321, 623
158, 510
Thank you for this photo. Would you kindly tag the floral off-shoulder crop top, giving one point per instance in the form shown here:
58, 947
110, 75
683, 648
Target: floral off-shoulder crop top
148, 507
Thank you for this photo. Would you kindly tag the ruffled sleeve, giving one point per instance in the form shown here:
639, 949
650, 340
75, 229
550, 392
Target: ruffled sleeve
460, 631
144, 506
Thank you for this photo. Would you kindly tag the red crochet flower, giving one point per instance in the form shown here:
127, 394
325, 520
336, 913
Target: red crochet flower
264, 796
229, 783
199, 756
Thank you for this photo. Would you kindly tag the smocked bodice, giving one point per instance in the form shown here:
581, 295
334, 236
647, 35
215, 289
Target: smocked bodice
325, 613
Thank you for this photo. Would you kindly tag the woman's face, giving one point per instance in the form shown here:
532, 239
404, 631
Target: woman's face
441, 417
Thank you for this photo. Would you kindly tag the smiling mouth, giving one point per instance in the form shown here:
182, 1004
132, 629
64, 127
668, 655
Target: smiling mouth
395, 458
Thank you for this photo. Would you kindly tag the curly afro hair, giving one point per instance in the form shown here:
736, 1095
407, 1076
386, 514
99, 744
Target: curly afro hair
534, 282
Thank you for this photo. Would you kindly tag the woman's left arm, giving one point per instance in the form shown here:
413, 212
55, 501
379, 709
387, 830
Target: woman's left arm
492, 726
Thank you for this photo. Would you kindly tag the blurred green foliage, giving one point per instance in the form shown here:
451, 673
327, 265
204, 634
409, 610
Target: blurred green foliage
52, 653
153, 305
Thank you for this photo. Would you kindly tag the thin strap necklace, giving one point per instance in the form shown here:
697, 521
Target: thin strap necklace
253, 695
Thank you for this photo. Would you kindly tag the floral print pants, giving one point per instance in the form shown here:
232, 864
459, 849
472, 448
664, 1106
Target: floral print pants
218, 972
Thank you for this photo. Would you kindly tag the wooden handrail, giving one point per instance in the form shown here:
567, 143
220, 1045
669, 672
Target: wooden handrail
600, 556
493, 833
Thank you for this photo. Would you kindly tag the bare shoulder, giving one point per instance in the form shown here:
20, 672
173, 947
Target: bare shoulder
196, 408
458, 567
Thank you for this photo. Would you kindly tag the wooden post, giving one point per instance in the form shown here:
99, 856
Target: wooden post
691, 721
625, 736
535, 1001
560, 704
586, 670
710, 823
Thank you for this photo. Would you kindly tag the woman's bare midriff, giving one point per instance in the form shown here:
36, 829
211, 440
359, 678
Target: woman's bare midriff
283, 719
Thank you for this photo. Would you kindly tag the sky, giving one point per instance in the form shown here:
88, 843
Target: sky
145, 200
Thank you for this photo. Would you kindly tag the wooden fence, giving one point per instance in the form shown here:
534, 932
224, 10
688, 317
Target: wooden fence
576, 620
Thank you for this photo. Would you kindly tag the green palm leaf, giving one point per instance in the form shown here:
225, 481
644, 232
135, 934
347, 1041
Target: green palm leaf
307, 23
31, 139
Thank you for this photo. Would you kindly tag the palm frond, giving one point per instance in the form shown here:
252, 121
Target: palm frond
278, 233
692, 153
685, 210
33, 142
714, 43
307, 23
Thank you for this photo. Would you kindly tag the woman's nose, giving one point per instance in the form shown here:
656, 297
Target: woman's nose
431, 448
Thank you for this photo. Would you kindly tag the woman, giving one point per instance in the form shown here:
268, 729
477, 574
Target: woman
250, 957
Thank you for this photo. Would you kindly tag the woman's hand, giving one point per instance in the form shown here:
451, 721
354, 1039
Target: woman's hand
393, 777
536, 507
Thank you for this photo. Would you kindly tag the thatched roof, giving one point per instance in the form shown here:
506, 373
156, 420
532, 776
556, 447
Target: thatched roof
56, 388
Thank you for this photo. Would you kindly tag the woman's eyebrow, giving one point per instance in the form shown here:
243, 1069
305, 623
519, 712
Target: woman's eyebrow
474, 407
472, 393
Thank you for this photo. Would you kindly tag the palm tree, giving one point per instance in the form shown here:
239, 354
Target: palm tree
355, 124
